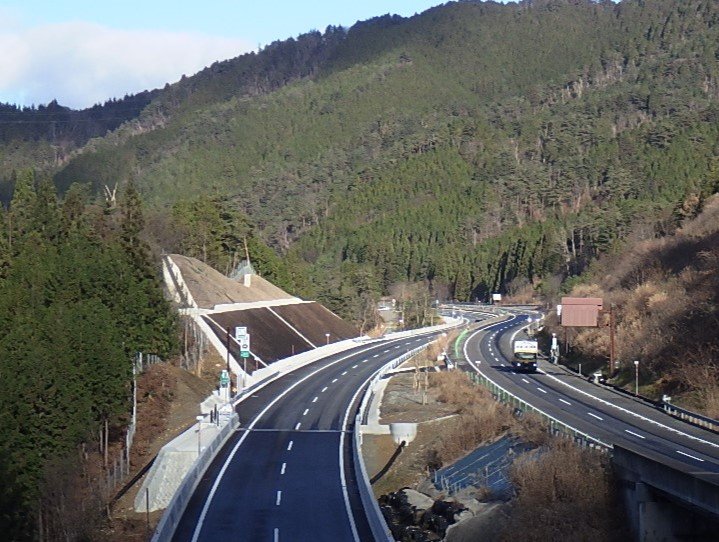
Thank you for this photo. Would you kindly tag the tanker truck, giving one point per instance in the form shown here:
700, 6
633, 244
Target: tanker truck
525, 357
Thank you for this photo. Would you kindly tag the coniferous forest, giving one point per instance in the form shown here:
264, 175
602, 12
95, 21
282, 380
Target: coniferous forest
474, 148
79, 296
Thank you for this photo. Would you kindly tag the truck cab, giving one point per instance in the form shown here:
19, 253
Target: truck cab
526, 354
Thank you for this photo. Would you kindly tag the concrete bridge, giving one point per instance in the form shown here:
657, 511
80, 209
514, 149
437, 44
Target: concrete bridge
666, 500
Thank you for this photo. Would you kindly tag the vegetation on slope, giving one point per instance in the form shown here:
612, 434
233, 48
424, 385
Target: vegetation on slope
78, 298
475, 147
45, 136
666, 297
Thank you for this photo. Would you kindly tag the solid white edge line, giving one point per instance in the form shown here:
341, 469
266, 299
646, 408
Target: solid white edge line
629, 412
607, 403
343, 478
476, 368
230, 457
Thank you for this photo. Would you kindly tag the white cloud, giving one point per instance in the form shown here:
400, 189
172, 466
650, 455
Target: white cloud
80, 63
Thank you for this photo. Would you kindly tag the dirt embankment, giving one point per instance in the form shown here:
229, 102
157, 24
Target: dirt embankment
168, 400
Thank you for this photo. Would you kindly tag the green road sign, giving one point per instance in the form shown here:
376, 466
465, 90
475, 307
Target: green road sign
244, 354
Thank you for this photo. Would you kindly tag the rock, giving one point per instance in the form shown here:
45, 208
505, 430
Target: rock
471, 504
427, 487
463, 515
419, 500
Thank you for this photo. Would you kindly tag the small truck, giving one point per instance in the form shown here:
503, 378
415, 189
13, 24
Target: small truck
526, 353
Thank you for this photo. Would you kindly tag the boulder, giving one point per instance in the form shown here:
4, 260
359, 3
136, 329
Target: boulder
419, 500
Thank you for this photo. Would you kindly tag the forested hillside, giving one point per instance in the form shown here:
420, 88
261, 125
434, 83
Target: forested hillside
666, 306
476, 146
79, 297
45, 136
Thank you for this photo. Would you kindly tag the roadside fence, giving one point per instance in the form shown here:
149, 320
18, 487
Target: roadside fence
118, 469
556, 427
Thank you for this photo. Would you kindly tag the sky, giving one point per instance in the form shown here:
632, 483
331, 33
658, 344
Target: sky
83, 52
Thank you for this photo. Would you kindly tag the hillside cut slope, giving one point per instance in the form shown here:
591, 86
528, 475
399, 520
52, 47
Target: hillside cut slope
209, 287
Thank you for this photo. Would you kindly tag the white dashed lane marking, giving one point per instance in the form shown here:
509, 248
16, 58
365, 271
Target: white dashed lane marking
279, 498
298, 425
595, 416
540, 389
635, 434
289, 446
565, 402
689, 455
284, 466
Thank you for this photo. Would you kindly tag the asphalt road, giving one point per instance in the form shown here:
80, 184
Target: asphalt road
287, 473
596, 410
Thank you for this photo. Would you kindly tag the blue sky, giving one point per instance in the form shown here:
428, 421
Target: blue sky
82, 52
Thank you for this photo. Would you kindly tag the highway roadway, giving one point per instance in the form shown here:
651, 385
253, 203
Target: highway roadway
599, 411
288, 474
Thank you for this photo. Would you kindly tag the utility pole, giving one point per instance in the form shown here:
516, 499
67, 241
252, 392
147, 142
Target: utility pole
229, 373
612, 360
636, 377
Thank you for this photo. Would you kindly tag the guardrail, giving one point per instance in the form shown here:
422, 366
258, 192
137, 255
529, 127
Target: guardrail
689, 416
377, 523
556, 427
168, 523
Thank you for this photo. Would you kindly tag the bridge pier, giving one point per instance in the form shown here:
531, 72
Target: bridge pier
663, 504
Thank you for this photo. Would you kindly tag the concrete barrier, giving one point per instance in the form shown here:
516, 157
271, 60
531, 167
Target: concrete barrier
261, 378
379, 527
168, 523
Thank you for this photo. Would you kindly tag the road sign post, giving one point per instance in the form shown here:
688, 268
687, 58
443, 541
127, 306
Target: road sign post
243, 338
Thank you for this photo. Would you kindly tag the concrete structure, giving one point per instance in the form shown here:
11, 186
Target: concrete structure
279, 324
177, 458
403, 432
666, 502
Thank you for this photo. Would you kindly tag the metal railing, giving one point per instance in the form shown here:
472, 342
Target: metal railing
556, 427
689, 416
